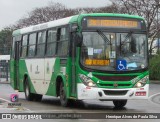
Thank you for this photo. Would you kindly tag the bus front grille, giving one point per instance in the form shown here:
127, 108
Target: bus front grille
115, 93
119, 85
115, 78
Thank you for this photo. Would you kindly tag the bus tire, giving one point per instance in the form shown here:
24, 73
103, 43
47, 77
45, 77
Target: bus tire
63, 97
119, 103
38, 97
28, 95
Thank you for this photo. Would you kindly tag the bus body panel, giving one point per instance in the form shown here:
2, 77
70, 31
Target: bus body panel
42, 80
23, 74
109, 94
12, 73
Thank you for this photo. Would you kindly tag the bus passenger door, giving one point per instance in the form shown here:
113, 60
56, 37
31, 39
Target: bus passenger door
16, 65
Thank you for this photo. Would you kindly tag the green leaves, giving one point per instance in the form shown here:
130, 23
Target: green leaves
154, 67
5, 41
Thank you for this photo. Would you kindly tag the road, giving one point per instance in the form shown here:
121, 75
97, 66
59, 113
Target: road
52, 105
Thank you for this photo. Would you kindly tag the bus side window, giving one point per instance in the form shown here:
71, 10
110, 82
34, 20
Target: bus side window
24, 46
14, 40
32, 45
51, 42
41, 43
62, 41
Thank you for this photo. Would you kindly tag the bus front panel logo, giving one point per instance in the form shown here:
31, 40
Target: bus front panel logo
115, 85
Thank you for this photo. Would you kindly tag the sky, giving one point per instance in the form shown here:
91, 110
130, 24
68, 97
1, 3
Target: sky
13, 10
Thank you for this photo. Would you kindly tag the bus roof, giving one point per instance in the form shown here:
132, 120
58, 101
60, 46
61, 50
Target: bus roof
67, 20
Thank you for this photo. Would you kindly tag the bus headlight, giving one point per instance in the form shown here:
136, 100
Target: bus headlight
87, 81
142, 82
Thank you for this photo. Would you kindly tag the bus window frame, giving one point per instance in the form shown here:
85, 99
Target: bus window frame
31, 45
37, 44
17, 38
59, 40
24, 46
53, 55
68, 32
46, 40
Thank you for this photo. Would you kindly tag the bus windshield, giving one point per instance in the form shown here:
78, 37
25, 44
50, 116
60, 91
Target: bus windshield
114, 51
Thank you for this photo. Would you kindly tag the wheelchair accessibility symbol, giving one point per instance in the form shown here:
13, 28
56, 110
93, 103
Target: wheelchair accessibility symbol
121, 64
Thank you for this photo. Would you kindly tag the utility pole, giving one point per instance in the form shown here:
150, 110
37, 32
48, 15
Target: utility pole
7, 70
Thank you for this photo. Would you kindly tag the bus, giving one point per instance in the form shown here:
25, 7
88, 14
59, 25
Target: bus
94, 56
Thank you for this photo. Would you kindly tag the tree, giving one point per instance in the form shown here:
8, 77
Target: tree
56, 11
51, 12
40, 15
5, 41
145, 8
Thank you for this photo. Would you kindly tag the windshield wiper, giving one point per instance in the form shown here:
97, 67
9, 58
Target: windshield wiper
126, 38
104, 37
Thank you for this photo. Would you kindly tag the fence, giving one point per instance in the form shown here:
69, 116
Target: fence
4, 70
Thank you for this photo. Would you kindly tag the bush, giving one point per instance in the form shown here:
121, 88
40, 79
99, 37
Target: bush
154, 67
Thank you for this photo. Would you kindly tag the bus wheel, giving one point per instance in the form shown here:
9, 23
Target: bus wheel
38, 97
119, 103
29, 96
63, 98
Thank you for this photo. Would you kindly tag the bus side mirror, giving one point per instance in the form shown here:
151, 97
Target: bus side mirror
78, 40
73, 28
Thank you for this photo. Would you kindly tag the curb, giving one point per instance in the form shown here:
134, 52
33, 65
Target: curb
155, 81
5, 82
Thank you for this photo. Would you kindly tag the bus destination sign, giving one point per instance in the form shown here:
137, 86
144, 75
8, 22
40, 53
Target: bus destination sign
113, 23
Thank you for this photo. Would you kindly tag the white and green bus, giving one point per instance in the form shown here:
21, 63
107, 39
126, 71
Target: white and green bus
98, 56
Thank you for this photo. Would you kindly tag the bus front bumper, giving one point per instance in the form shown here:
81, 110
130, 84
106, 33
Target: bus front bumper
91, 93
